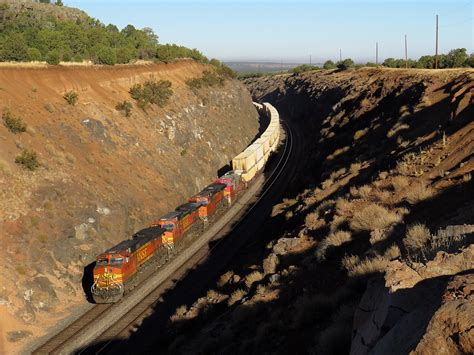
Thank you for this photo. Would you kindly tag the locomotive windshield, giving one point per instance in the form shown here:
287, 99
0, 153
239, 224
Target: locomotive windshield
168, 226
115, 261
102, 261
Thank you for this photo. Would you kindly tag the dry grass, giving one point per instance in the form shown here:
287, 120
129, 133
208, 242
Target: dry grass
225, 278
397, 128
344, 207
332, 240
355, 167
179, 314
360, 133
327, 183
399, 182
349, 262
418, 192
337, 174
313, 222
392, 253
416, 237
253, 277
363, 191
373, 217
337, 152
368, 266
236, 296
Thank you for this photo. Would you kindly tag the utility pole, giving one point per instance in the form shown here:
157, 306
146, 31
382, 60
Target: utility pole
340, 55
436, 55
406, 53
377, 53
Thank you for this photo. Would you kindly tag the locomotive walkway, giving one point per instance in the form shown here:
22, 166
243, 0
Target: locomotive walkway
100, 329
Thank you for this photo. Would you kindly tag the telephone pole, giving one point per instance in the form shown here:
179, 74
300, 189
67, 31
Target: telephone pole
377, 53
436, 55
340, 55
406, 53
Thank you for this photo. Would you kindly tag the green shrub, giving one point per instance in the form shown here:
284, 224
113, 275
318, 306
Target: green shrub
14, 124
28, 159
125, 107
71, 97
345, 64
208, 79
53, 57
329, 64
151, 92
106, 55
303, 68
34, 54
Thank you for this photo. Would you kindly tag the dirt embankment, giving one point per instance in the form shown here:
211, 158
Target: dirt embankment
375, 232
102, 175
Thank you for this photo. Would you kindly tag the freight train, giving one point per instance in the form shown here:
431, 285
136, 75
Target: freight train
116, 269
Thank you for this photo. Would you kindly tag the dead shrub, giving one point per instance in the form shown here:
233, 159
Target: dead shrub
344, 207
349, 262
337, 152
332, 240
355, 167
327, 184
313, 222
399, 182
369, 266
372, 217
236, 296
416, 237
253, 277
179, 314
397, 128
418, 192
337, 174
225, 278
360, 133
392, 253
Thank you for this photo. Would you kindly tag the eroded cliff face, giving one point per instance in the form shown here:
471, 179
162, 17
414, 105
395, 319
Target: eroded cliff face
102, 175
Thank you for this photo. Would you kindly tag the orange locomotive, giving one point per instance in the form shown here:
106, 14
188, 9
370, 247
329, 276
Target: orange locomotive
116, 267
177, 223
210, 199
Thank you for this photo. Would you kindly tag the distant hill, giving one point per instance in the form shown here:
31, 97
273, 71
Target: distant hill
260, 67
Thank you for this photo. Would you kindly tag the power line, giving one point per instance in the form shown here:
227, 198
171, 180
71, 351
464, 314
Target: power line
436, 55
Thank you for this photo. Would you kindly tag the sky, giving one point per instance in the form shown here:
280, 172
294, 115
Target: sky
294, 31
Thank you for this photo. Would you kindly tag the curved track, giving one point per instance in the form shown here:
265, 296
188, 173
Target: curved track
103, 324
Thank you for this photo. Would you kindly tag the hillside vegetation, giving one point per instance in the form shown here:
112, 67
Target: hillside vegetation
371, 251
31, 31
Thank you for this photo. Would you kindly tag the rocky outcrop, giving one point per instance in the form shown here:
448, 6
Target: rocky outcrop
424, 302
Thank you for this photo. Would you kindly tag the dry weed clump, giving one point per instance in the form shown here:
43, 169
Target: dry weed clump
349, 262
355, 167
399, 182
312, 221
253, 277
225, 278
332, 240
236, 296
327, 183
344, 207
397, 128
372, 217
392, 253
416, 237
360, 133
337, 173
179, 314
368, 266
337, 152
418, 192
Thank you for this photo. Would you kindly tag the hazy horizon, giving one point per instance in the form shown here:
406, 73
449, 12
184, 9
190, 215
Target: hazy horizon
276, 31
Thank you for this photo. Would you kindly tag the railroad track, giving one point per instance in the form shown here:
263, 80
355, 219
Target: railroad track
104, 323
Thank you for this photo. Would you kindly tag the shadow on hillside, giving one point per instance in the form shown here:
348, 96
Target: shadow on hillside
249, 327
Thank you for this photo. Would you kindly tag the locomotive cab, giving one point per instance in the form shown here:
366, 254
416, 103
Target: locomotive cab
109, 273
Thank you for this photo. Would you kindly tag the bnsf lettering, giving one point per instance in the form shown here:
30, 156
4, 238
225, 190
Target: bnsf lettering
142, 254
